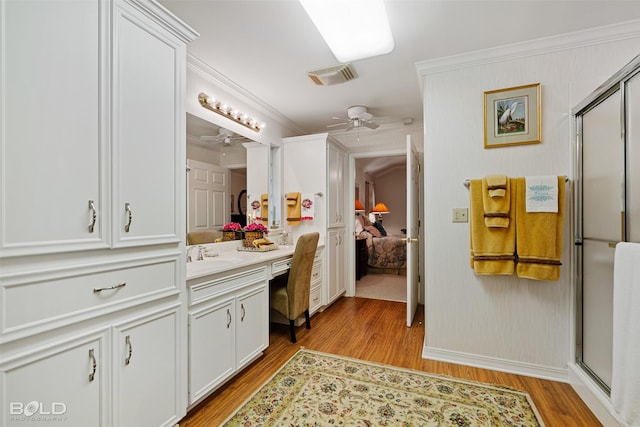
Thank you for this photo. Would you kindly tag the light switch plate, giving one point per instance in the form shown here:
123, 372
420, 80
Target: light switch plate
460, 214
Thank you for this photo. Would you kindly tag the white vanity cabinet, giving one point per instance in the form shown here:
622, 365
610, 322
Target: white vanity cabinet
228, 326
336, 260
146, 370
91, 248
336, 177
326, 175
72, 378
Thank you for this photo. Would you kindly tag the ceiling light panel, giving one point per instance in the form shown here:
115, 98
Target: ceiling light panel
353, 29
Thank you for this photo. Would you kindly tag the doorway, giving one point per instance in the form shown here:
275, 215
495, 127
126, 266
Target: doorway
380, 179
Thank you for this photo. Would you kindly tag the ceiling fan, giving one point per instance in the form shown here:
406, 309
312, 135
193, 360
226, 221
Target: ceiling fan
357, 117
224, 137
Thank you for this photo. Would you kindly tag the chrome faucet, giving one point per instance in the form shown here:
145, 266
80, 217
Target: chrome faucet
201, 251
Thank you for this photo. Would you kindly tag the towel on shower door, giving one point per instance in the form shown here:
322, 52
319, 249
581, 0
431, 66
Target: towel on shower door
496, 200
264, 209
293, 208
538, 236
625, 386
492, 248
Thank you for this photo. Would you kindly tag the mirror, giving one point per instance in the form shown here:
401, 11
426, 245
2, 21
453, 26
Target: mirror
221, 178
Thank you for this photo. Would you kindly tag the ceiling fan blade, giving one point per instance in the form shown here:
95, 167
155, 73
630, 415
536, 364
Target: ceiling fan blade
365, 116
211, 139
370, 125
338, 124
351, 126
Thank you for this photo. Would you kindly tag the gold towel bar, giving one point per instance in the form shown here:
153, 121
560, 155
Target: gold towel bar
467, 182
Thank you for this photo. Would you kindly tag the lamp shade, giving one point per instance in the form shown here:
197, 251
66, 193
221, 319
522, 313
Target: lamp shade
380, 208
359, 207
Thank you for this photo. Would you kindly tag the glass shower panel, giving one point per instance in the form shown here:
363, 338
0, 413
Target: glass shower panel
597, 306
633, 159
603, 171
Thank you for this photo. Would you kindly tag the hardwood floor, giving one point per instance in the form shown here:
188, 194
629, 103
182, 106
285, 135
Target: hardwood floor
375, 330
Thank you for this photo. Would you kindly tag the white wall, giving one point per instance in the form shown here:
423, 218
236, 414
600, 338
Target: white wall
391, 189
504, 322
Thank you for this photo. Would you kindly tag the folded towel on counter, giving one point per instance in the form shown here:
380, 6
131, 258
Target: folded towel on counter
492, 248
497, 185
542, 193
264, 209
307, 207
539, 235
497, 208
293, 208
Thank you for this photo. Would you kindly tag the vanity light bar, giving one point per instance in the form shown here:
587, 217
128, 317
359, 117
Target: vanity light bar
217, 106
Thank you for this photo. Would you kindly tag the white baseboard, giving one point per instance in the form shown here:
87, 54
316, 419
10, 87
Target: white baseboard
593, 396
496, 364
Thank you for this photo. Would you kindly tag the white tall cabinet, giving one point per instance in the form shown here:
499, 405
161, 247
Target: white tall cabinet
316, 165
92, 213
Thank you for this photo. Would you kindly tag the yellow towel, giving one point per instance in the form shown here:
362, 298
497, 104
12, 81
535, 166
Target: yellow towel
492, 248
496, 208
293, 208
264, 209
497, 185
539, 236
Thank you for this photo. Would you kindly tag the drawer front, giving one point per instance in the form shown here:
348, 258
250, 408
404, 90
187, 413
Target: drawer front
316, 272
45, 301
315, 299
224, 283
280, 266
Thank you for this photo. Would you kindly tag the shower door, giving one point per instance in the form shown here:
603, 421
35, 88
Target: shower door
608, 167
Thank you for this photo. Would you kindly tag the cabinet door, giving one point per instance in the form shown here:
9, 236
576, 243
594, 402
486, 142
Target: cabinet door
211, 347
252, 323
336, 176
53, 137
148, 173
336, 260
66, 382
146, 371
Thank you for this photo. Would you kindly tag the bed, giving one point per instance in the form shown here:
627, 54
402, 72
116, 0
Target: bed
386, 253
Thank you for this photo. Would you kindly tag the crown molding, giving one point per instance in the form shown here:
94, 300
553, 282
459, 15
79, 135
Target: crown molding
589, 37
211, 75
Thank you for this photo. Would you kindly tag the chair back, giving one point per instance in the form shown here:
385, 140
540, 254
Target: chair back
202, 237
299, 283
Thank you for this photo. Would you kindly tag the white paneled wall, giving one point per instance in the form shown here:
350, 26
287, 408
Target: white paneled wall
503, 322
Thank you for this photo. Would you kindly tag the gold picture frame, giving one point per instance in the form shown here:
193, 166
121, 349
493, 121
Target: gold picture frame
512, 116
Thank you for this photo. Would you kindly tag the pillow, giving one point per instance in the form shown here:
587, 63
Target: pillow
373, 230
380, 228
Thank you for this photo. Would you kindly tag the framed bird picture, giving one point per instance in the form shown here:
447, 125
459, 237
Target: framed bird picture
512, 116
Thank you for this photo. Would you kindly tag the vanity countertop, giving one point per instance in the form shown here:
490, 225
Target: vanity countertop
229, 259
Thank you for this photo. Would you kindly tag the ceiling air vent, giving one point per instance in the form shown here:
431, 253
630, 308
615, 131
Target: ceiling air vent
334, 75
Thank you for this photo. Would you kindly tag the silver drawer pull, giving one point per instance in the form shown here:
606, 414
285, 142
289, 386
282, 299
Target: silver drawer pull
243, 312
228, 318
94, 365
127, 341
127, 209
110, 288
94, 215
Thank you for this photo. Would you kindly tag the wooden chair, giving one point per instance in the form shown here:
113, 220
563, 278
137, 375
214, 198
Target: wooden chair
289, 294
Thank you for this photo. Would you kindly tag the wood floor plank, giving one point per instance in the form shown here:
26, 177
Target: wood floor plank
375, 330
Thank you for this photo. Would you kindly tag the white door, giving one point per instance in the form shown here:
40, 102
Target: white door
413, 209
208, 187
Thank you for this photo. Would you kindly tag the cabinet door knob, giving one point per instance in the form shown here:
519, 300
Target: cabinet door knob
94, 215
127, 341
94, 365
127, 209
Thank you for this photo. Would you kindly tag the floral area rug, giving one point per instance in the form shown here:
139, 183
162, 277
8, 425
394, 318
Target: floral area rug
318, 389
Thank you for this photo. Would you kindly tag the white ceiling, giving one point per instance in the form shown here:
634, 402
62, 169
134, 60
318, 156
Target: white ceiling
268, 46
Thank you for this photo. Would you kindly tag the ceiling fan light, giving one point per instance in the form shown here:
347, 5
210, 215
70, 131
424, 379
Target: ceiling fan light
353, 29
